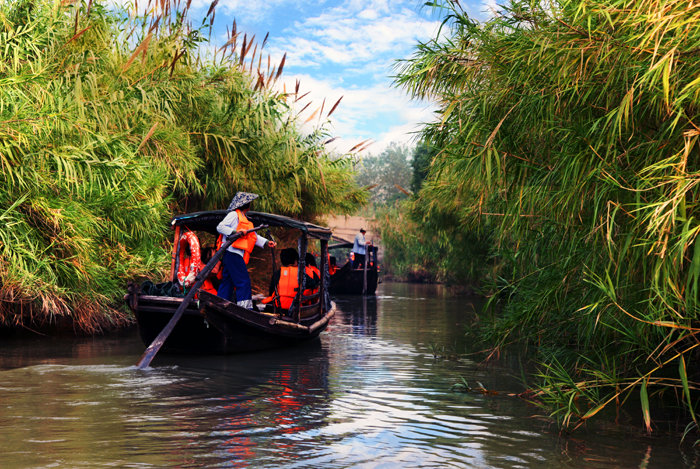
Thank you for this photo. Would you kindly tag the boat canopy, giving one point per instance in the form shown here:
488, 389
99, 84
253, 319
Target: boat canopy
340, 244
207, 221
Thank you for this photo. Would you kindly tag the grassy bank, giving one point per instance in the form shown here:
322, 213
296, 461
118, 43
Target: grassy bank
569, 142
109, 123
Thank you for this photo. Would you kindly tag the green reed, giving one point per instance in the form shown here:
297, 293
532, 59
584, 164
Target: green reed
568, 139
110, 123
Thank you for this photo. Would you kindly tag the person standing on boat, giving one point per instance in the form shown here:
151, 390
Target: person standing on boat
235, 283
359, 249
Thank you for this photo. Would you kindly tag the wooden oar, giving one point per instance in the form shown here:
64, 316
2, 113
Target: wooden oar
157, 343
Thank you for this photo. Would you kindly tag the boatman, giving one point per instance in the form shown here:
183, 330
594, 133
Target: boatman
235, 283
359, 248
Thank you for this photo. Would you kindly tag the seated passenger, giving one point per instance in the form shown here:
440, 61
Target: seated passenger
311, 269
285, 281
332, 265
212, 281
313, 273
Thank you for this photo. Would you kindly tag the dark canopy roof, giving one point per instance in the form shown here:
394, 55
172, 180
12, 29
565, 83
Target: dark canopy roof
207, 221
340, 243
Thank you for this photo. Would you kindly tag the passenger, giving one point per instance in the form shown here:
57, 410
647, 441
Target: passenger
285, 281
214, 278
312, 272
311, 269
332, 265
235, 283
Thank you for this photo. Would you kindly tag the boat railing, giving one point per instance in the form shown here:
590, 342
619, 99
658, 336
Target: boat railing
309, 306
313, 296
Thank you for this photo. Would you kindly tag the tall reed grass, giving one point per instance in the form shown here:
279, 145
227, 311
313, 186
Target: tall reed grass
568, 135
109, 123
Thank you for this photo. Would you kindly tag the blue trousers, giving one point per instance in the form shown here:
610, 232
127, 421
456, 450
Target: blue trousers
235, 284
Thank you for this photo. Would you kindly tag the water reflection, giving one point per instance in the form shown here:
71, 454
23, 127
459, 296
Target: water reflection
369, 393
359, 312
255, 405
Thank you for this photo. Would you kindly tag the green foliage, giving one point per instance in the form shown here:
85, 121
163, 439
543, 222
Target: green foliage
568, 137
386, 175
430, 247
423, 156
108, 125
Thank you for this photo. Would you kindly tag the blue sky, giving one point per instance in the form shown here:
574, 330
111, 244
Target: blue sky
343, 48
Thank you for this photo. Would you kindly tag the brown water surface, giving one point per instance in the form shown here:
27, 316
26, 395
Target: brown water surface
370, 393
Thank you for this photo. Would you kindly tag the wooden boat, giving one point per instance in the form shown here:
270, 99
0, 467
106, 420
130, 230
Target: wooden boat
349, 281
212, 324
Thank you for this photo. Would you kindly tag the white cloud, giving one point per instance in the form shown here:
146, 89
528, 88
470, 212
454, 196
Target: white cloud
343, 48
346, 36
250, 10
365, 113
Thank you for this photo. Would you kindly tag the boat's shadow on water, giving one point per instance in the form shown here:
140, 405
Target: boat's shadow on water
244, 369
232, 401
359, 312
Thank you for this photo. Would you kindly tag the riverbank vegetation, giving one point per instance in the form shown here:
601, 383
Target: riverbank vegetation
110, 123
567, 184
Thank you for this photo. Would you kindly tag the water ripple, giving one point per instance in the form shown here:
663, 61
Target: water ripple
369, 394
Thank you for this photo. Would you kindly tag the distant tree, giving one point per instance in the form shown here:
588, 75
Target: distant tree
387, 174
423, 155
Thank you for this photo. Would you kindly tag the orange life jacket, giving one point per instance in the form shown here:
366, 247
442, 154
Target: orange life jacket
311, 271
245, 243
287, 287
218, 270
209, 287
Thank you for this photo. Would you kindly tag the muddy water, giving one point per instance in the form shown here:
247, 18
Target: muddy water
370, 393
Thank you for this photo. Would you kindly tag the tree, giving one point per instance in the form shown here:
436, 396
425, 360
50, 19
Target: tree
423, 155
387, 174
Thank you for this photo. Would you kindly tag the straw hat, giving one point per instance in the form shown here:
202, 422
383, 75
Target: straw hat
240, 199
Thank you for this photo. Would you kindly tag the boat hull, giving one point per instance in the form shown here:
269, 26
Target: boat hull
349, 281
212, 325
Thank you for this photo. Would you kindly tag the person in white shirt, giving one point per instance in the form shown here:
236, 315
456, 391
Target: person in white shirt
235, 284
359, 249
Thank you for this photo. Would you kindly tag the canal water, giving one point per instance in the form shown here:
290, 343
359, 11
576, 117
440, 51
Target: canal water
376, 391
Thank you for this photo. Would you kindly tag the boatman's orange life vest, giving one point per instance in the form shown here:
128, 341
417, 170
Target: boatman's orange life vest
245, 243
287, 287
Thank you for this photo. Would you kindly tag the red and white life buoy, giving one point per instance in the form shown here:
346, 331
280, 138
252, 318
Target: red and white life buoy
190, 263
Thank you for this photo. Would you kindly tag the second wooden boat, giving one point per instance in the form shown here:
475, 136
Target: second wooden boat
349, 281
